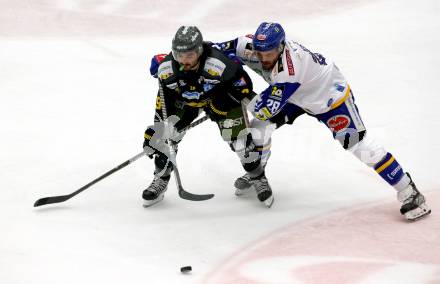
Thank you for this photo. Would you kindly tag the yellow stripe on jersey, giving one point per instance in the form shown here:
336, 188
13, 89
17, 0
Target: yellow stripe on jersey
384, 166
217, 111
194, 104
343, 99
146, 136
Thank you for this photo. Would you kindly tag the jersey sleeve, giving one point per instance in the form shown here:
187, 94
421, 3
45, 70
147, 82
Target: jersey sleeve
238, 49
239, 84
273, 99
155, 62
229, 48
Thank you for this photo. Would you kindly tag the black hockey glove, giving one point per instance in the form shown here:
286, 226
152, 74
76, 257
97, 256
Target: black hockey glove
155, 139
148, 150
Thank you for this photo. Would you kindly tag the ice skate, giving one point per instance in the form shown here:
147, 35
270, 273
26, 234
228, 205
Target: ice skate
155, 192
264, 192
243, 185
413, 202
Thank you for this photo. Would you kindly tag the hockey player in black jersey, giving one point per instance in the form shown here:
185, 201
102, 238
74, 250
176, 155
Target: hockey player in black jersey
196, 77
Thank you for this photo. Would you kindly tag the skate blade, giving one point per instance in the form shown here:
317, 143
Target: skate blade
246, 191
269, 202
422, 211
148, 203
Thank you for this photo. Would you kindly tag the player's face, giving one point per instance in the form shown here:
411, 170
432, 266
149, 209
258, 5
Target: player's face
188, 60
268, 58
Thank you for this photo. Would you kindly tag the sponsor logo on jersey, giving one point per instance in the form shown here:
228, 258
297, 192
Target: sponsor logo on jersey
214, 66
277, 92
289, 63
338, 123
261, 37
165, 76
229, 123
207, 87
213, 72
165, 70
394, 172
191, 95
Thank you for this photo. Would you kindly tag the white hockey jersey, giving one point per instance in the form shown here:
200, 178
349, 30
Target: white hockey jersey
300, 77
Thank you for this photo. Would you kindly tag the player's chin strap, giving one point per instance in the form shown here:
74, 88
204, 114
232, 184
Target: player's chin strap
172, 158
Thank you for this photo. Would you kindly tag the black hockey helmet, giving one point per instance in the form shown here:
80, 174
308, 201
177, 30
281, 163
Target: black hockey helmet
187, 38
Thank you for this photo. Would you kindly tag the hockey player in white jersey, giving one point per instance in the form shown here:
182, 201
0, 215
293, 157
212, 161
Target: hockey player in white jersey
305, 82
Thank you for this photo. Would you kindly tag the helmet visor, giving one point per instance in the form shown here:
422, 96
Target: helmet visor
186, 56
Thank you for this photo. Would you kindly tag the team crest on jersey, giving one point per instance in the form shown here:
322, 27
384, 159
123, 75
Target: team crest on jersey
191, 95
277, 92
338, 123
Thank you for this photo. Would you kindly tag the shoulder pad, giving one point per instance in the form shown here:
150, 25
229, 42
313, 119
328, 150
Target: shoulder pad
165, 70
155, 62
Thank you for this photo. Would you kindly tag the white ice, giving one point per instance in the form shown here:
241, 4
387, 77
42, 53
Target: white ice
76, 97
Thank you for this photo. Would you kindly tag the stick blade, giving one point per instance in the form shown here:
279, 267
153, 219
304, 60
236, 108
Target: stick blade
50, 200
194, 197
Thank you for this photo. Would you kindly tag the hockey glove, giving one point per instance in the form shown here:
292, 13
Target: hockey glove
273, 99
167, 130
154, 144
149, 150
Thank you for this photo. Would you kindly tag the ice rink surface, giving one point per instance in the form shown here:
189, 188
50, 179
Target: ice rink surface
76, 97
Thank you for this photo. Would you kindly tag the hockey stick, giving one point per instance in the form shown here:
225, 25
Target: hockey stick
62, 198
182, 192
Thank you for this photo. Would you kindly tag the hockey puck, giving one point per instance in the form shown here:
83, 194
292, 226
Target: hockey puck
185, 269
